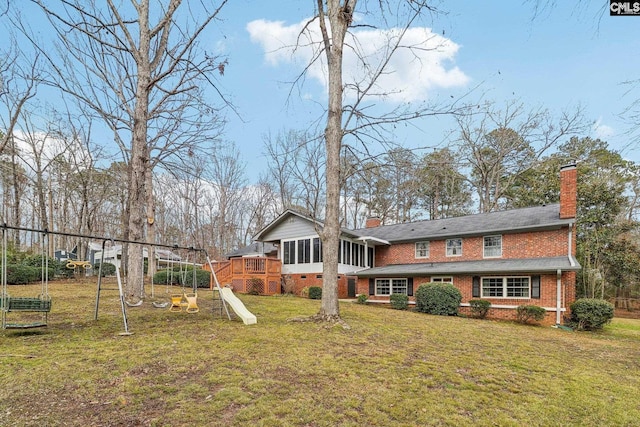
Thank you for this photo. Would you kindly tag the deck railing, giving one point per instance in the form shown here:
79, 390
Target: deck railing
249, 275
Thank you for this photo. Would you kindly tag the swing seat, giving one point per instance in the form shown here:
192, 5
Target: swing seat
38, 304
176, 303
192, 303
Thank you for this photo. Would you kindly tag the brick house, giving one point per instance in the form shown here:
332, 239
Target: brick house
511, 258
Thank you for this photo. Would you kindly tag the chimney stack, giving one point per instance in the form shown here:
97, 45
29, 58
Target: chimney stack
568, 191
372, 222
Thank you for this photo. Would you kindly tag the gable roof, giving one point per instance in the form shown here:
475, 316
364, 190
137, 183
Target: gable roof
289, 213
525, 219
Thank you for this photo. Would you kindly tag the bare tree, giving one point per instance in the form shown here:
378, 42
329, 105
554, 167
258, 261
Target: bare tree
140, 77
19, 77
348, 116
502, 144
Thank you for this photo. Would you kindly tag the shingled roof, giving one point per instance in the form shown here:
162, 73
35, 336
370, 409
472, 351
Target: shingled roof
525, 219
512, 266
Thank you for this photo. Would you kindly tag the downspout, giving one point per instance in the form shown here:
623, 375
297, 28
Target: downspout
570, 246
558, 295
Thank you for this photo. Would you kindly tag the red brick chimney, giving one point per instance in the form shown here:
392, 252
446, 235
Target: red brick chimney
568, 191
372, 222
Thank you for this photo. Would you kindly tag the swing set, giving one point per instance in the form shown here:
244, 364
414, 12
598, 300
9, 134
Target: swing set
41, 304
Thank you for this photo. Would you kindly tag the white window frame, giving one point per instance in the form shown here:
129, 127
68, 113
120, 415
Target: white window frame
391, 286
426, 248
442, 279
449, 253
505, 288
484, 246
295, 252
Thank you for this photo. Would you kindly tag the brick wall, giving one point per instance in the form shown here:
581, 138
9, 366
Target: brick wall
301, 281
516, 245
548, 289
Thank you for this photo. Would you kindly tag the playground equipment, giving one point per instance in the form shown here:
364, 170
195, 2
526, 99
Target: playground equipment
40, 304
227, 297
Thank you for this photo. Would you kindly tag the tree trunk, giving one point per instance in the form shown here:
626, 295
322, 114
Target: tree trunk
339, 17
139, 161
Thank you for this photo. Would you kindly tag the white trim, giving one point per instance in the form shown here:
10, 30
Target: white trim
373, 239
390, 279
504, 286
446, 247
466, 304
415, 249
484, 255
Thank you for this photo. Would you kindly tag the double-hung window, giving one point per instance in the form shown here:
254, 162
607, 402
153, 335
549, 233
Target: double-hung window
492, 246
506, 287
454, 247
422, 249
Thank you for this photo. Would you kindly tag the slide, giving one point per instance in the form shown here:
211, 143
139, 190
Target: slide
238, 307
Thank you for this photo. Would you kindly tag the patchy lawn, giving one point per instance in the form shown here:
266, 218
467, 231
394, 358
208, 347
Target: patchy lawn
393, 368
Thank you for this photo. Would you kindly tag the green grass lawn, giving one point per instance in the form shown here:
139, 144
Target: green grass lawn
392, 368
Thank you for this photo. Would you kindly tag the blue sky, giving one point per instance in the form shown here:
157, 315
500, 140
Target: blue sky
567, 56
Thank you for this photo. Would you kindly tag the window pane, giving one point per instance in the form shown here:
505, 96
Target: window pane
383, 287
289, 252
493, 246
518, 287
492, 287
371, 255
317, 250
454, 247
304, 251
399, 286
422, 250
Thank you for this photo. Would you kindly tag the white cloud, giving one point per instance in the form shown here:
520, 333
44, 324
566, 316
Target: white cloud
602, 131
423, 63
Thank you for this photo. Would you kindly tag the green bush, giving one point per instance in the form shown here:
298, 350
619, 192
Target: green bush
315, 292
399, 301
362, 299
590, 314
438, 298
175, 277
20, 274
479, 308
528, 313
108, 269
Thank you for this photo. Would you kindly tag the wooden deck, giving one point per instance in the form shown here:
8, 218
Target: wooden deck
250, 275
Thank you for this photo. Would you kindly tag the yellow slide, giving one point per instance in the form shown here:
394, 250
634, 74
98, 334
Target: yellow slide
238, 307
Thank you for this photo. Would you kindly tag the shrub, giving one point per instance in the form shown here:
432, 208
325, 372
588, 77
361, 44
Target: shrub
438, 298
315, 292
362, 299
21, 274
109, 269
479, 308
399, 301
528, 313
590, 314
